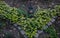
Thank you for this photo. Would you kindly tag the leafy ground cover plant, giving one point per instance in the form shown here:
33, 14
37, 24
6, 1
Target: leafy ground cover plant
57, 8
52, 32
29, 25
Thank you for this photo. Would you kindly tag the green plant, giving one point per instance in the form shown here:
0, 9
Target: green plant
52, 32
57, 8
29, 25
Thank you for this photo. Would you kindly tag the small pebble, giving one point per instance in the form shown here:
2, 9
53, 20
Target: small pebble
19, 28
15, 24
39, 31
22, 32
10, 30
49, 23
52, 20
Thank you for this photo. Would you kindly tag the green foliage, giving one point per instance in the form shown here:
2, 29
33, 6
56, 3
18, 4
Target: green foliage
29, 25
57, 8
52, 32
22, 12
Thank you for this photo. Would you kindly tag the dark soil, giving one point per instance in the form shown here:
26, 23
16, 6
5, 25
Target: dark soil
26, 5
57, 26
41, 3
9, 31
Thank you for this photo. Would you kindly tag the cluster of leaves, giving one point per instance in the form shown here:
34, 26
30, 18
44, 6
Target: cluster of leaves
57, 8
29, 25
52, 32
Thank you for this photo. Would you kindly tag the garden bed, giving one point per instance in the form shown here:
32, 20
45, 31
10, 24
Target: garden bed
26, 25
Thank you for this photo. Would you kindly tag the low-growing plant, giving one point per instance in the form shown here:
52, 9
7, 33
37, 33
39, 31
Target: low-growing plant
57, 8
29, 25
52, 32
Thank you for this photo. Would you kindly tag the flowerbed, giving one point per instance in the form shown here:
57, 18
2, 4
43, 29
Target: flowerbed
30, 25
